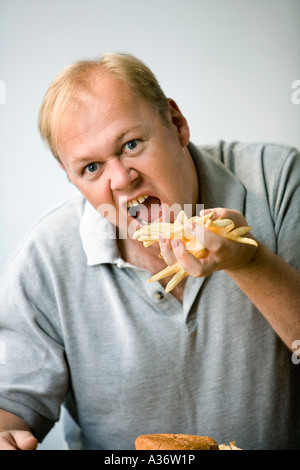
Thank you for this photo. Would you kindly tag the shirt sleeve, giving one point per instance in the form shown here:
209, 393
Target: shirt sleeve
284, 200
33, 369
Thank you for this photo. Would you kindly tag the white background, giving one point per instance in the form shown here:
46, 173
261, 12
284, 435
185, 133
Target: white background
229, 64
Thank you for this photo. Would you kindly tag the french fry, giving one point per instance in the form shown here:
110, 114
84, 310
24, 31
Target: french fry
231, 446
150, 233
165, 272
235, 235
181, 219
175, 280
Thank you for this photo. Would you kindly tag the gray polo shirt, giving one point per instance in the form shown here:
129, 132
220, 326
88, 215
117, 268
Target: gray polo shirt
83, 328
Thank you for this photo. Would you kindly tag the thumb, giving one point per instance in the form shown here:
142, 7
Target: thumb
24, 440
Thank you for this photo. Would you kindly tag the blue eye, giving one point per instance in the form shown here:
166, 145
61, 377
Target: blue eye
92, 167
131, 145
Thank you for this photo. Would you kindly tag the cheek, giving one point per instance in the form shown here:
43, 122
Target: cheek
170, 157
100, 197
95, 193
160, 162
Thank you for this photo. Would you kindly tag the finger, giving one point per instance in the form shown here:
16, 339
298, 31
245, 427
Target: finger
209, 239
7, 441
223, 253
193, 266
24, 440
223, 213
166, 250
205, 211
217, 212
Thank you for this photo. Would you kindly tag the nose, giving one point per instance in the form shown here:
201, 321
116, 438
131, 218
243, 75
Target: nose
121, 176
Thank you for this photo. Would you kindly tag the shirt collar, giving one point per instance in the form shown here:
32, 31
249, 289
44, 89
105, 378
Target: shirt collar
219, 187
98, 237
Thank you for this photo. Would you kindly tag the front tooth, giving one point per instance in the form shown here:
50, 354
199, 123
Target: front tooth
137, 201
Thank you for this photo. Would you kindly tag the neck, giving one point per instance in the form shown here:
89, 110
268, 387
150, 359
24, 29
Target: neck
135, 253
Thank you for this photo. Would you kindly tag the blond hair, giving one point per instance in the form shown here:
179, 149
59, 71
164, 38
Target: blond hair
65, 93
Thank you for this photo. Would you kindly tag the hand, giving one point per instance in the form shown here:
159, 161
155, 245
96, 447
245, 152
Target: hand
223, 254
17, 440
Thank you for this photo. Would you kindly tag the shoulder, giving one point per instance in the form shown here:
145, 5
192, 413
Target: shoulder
267, 161
229, 152
266, 154
62, 217
48, 238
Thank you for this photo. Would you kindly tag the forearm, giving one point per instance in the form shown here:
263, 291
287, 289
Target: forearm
15, 433
271, 284
9, 421
274, 288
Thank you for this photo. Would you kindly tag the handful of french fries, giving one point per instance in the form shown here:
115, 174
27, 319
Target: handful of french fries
150, 233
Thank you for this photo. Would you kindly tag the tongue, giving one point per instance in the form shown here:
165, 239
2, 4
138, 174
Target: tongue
148, 211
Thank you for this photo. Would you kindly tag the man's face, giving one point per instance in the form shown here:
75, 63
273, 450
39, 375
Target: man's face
117, 152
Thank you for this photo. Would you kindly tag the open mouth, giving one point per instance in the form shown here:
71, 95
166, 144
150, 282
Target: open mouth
145, 208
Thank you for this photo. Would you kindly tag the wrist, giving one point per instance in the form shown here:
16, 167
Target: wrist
256, 260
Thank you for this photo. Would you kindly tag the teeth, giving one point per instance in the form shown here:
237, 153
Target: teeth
136, 202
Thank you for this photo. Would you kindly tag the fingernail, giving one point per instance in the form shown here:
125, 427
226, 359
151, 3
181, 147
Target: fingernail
205, 211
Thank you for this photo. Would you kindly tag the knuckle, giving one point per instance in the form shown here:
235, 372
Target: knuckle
196, 273
218, 247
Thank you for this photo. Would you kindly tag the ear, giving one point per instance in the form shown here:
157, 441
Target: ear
180, 123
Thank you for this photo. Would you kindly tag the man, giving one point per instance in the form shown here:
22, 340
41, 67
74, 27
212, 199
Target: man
81, 325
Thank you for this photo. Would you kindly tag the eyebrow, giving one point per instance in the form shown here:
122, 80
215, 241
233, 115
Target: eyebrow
119, 138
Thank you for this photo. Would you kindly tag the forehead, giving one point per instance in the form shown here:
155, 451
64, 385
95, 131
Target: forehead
109, 109
109, 100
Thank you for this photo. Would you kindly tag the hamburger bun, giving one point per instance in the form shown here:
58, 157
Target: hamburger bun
174, 442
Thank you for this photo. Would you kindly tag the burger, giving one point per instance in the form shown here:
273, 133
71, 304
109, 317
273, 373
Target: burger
175, 442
